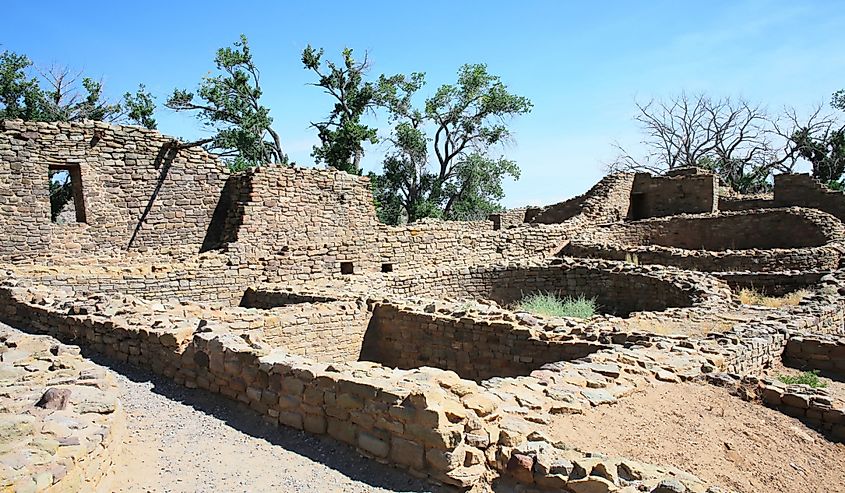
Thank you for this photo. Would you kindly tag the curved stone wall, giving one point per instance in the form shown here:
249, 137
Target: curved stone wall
618, 289
758, 240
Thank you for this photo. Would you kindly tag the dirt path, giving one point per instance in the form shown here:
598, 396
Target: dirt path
182, 440
722, 439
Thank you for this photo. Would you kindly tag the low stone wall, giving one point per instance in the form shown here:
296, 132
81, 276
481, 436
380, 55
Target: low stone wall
772, 283
63, 443
813, 406
209, 277
476, 349
760, 240
826, 354
427, 420
617, 288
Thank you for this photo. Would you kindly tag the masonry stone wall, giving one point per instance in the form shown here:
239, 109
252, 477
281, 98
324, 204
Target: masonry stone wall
607, 201
618, 289
772, 283
824, 353
208, 278
804, 191
759, 240
135, 189
657, 196
474, 349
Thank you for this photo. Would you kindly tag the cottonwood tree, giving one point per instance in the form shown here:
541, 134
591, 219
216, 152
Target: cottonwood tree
468, 119
229, 103
342, 135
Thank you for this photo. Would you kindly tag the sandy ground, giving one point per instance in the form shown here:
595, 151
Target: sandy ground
706, 431
181, 440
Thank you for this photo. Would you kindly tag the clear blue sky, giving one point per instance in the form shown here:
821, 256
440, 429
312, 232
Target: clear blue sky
583, 64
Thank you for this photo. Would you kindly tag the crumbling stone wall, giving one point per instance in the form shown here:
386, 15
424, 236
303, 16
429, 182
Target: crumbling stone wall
825, 353
607, 201
401, 337
617, 288
135, 188
759, 240
803, 190
680, 193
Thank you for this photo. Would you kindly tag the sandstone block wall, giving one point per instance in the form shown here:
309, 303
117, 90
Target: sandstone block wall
656, 196
816, 353
618, 289
804, 191
474, 349
759, 240
133, 188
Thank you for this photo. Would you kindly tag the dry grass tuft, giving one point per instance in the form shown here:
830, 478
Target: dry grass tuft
752, 297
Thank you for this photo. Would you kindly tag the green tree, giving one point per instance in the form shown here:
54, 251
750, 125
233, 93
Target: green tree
468, 119
838, 100
20, 96
140, 107
229, 103
342, 135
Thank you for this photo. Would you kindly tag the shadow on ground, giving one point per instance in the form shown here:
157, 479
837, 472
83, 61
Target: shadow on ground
330, 453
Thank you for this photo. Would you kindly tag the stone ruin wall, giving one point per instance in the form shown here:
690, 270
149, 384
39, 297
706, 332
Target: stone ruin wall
121, 169
616, 289
686, 192
400, 337
752, 241
791, 190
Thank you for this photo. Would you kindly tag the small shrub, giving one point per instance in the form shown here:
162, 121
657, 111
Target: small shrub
752, 297
810, 378
551, 305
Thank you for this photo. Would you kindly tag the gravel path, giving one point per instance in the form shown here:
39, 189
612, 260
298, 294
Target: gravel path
183, 440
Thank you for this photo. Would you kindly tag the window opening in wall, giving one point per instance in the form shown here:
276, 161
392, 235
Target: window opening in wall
387, 267
347, 268
67, 202
639, 206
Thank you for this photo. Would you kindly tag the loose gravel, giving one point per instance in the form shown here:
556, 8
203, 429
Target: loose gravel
184, 440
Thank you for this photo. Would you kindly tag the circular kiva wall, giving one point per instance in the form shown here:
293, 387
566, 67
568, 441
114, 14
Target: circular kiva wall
618, 288
756, 240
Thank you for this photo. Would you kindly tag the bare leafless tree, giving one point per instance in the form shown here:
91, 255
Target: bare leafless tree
729, 136
71, 97
806, 139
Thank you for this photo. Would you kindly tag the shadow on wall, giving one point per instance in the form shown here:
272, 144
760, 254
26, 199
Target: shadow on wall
475, 350
228, 213
163, 161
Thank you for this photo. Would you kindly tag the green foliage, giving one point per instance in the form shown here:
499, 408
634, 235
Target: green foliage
838, 100
238, 164
229, 103
551, 305
140, 107
810, 378
58, 94
468, 119
342, 134
825, 152
20, 96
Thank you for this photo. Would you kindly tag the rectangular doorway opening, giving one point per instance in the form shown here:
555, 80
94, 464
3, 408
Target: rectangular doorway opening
347, 268
67, 201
